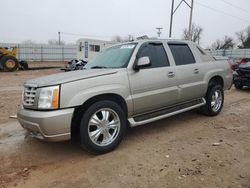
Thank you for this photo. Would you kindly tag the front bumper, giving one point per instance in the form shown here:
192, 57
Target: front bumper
47, 125
241, 80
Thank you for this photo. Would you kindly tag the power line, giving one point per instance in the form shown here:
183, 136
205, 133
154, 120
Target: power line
222, 12
235, 6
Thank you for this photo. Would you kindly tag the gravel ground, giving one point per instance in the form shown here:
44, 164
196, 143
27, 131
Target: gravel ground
187, 150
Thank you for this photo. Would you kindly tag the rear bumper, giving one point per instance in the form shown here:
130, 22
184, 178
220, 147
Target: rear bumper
244, 81
47, 125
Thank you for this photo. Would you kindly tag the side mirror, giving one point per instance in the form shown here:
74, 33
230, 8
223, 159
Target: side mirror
142, 62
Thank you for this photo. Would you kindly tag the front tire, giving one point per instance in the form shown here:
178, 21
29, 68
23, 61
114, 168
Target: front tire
103, 125
238, 86
214, 101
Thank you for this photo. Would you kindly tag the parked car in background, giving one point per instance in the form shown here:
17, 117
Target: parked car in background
128, 84
75, 64
242, 60
241, 77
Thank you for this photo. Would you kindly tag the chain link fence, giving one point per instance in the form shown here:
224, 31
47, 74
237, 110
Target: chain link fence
38, 52
232, 53
44, 52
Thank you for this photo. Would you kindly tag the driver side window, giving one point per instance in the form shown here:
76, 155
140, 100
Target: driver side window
156, 54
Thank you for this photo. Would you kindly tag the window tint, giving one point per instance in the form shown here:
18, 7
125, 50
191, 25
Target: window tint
156, 54
182, 54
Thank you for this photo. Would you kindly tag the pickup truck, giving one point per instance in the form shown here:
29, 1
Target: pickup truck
125, 86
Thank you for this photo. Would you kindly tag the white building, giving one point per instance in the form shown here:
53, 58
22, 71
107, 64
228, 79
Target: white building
88, 48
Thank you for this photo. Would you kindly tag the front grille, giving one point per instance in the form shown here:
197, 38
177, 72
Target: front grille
29, 95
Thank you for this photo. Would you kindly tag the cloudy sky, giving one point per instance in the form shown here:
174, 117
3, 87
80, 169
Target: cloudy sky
40, 20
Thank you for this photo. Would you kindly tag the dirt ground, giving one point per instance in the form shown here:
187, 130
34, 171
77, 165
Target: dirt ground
187, 150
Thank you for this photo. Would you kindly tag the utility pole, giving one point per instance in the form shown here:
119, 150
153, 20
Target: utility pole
59, 38
190, 20
174, 10
171, 19
159, 31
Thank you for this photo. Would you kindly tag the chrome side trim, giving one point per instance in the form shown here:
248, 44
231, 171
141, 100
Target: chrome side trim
133, 123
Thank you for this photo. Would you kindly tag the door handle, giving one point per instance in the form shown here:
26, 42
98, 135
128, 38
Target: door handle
196, 71
171, 74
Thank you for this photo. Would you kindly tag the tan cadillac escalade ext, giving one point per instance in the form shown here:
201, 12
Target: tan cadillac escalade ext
128, 84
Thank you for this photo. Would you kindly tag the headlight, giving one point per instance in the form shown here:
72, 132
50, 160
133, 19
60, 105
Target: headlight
49, 98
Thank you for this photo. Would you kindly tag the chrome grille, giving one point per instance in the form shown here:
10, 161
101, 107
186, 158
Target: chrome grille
29, 94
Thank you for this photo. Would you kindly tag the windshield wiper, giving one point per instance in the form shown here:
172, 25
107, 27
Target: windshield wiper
98, 67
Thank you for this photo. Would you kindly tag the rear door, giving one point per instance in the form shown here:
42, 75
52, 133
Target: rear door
188, 72
155, 86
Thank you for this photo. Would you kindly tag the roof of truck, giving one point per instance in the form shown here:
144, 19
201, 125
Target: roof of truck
164, 40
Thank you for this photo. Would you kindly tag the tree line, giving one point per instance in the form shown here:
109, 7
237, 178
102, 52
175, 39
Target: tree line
242, 38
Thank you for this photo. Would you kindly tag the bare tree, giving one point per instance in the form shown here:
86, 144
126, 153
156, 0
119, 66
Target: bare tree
194, 35
225, 43
244, 38
55, 42
241, 37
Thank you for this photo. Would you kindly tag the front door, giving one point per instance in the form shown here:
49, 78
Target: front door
153, 87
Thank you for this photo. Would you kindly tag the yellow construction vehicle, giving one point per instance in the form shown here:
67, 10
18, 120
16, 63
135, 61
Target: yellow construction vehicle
8, 60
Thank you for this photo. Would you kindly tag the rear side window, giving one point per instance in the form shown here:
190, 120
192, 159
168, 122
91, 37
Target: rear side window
156, 54
182, 54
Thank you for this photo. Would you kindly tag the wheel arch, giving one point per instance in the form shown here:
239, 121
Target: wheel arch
76, 118
216, 80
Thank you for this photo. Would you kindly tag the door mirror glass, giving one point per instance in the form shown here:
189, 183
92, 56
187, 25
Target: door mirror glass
142, 62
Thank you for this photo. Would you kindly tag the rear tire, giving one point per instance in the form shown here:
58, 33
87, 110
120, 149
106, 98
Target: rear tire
9, 63
214, 101
103, 125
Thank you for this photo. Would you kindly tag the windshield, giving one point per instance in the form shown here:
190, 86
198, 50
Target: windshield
114, 57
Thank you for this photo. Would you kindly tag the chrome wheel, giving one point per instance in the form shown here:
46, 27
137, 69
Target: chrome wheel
104, 126
216, 101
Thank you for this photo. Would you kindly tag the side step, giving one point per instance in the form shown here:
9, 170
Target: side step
165, 112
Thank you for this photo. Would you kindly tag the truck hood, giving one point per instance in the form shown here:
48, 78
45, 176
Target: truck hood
71, 76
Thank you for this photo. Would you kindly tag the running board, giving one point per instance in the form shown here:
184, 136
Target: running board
166, 112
